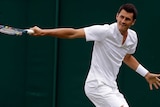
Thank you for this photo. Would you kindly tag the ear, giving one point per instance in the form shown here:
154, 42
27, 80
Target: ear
117, 15
134, 22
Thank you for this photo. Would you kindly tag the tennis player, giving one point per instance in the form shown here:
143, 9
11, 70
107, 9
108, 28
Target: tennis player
113, 44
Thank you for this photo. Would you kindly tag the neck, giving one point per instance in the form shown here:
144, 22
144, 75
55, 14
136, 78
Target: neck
124, 34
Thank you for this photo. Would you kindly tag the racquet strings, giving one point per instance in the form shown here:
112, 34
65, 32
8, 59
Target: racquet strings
10, 30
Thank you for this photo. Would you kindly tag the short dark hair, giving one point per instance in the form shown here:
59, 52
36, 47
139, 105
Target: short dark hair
129, 8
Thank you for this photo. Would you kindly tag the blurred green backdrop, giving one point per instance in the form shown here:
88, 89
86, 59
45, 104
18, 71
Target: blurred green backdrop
50, 72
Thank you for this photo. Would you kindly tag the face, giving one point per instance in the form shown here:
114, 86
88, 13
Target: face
124, 20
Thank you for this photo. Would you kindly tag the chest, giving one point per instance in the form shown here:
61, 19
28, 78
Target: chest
115, 47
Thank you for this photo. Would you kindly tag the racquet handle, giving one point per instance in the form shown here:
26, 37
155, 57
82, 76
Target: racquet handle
29, 31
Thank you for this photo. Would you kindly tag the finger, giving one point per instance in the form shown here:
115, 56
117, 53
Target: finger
158, 79
158, 83
150, 86
155, 85
158, 75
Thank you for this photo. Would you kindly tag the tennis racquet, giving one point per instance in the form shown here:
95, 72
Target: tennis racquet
14, 31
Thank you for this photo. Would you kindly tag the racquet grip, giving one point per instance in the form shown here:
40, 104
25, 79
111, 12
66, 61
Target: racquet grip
29, 31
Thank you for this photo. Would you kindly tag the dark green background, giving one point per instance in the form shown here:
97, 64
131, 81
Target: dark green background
50, 72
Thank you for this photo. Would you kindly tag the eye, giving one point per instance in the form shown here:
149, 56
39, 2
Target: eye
122, 17
128, 19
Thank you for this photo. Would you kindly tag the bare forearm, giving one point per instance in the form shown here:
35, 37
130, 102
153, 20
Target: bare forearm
131, 62
68, 33
60, 32
135, 65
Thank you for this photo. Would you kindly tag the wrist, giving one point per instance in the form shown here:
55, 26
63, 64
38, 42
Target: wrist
141, 70
43, 32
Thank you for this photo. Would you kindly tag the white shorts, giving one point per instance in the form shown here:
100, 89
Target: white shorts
102, 95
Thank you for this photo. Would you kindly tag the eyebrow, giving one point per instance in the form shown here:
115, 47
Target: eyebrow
125, 17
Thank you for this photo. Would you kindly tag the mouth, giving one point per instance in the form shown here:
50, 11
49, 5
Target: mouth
123, 24
122, 27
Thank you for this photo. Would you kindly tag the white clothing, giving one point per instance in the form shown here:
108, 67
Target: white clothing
108, 51
108, 54
104, 96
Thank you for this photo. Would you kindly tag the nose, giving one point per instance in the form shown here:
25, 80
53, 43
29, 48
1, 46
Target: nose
123, 20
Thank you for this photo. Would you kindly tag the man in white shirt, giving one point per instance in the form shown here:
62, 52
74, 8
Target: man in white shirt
113, 44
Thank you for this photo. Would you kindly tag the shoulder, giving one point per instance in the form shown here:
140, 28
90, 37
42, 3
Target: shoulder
97, 27
100, 29
97, 32
132, 34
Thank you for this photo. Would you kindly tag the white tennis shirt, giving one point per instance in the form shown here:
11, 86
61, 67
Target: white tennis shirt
108, 52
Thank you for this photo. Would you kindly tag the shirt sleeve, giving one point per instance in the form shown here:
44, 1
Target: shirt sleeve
96, 32
134, 40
